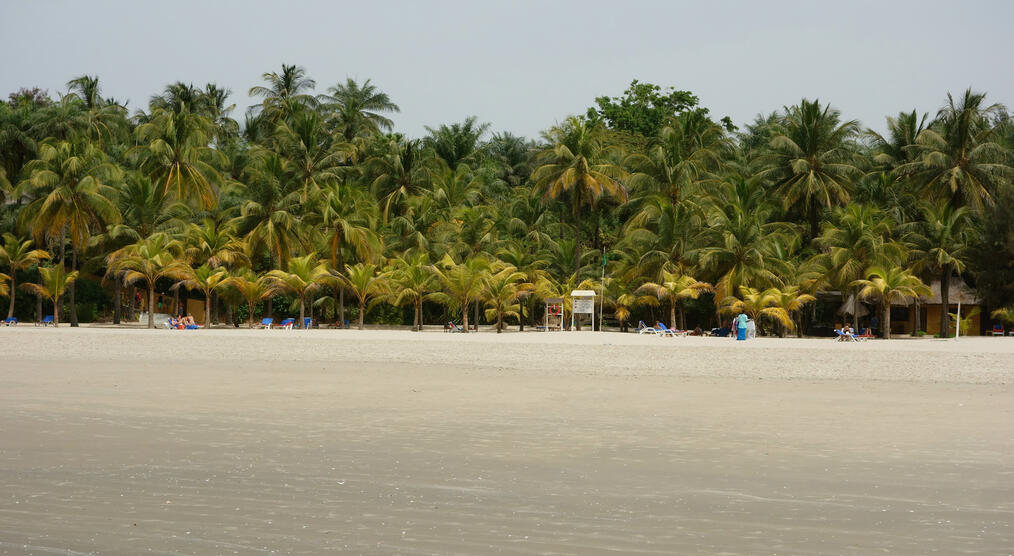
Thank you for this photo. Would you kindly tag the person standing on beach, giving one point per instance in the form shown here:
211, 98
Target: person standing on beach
741, 326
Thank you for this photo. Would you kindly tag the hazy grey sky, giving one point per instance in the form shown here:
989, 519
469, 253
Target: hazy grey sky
522, 66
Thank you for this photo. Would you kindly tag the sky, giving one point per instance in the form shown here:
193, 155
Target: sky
522, 66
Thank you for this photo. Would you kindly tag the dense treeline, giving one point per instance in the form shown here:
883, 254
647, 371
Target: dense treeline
315, 205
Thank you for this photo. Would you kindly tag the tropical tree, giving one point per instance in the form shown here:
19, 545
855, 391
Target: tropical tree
173, 152
365, 284
17, 254
304, 276
756, 304
285, 93
959, 158
501, 288
348, 217
674, 288
456, 143
791, 300
889, 285
358, 110
941, 244
461, 283
55, 281
412, 282
811, 159
253, 289
576, 162
207, 279
149, 260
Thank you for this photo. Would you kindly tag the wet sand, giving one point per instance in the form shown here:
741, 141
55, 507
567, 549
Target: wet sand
245, 442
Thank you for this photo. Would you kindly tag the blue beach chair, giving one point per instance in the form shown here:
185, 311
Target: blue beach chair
48, 320
266, 323
11, 321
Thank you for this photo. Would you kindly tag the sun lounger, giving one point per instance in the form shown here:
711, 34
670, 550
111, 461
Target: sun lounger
47, 320
307, 323
645, 329
11, 321
287, 324
664, 330
266, 323
451, 327
997, 329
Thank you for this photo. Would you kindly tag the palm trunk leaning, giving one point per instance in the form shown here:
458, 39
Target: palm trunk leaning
14, 287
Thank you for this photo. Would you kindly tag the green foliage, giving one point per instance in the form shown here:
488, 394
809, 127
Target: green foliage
643, 108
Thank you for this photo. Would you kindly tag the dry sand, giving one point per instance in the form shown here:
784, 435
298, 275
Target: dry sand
118, 441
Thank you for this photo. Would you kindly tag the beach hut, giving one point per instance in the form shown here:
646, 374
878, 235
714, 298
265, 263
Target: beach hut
931, 309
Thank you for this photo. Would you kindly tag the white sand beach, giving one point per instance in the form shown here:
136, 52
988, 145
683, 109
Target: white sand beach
128, 441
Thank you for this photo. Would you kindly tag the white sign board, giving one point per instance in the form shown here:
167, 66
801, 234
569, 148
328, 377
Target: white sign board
584, 305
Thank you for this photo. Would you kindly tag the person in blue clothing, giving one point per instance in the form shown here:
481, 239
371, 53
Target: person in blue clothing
741, 326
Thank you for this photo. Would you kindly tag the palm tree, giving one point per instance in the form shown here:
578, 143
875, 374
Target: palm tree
269, 214
286, 93
501, 288
461, 282
316, 159
674, 288
889, 285
55, 281
577, 163
810, 159
253, 288
146, 262
304, 276
214, 244
17, 254
942, 243
959, 158
412, 282
1005, 314
207, 279
348, 217
686, 152
173, 152
457, 143
792, 301
857, 238
364, 283
359, 109
401, 169
757, 304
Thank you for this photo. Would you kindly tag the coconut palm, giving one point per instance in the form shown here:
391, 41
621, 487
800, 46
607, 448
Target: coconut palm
888, 285
269, 213
412, 281
942, 243
207, 279
756, 304
214, 244
401, 169
1004, 314
17, 254
810, 159
674, 288
687, 150
146, 262
577, 162
253, 289
348, 217
358, 110
501, 288
55, 281
959, 158
173, 152
303, 276
456, 144
791, 300
315, 158
286, 93
365, 284
461, 283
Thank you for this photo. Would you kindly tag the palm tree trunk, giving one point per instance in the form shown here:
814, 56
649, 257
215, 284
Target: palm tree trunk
362, 313
302, 311
499, 322
269, 308
464, 314
683, 318
117, 294
250, 315
945, 298
151, 305
38, 309
71, 287
672, 314
918, 318
577, 235
207, 311
14, 287
476, 305
887, 320
521, 317
56, 311
340, 294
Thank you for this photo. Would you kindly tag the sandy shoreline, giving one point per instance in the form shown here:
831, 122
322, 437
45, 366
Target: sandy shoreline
377, 442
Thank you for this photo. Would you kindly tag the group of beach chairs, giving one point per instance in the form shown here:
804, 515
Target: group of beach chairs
843, 335
286, 324
661, 330
46, 321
